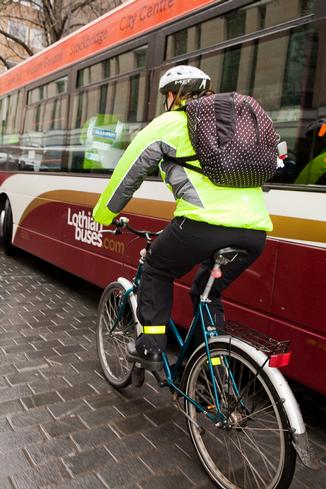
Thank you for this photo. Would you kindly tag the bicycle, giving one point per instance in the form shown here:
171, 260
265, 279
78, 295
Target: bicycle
242, 417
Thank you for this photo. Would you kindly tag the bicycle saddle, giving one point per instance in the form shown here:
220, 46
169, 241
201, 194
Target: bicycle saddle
229, 254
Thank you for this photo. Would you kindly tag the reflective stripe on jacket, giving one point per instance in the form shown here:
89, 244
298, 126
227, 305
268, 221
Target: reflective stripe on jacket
196, 196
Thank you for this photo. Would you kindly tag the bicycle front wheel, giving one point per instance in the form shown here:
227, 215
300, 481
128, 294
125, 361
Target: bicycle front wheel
115, 329
249, 444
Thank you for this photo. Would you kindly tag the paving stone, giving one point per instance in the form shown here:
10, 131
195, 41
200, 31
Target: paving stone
74, 407
7, 369
162, 415
19, 439
88, 377
76, 392
32, 417
103, 416
173, 479
133, 424
67, 425
19, 349
40, 387
28, 365
5, 425
88, 460
87, 365
26, 340
165, 456
43, 399
41, 344
99, 400
13, 462
83, 482
5, 483
92, 438
63, 350
57, 370
23, 377
122, 448
44, 353
10, 407
41, 476
168, 432
41, 453
79, 332
135, 405
16, 392
124, 473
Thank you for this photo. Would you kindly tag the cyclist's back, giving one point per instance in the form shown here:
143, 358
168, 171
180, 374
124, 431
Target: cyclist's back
207, 217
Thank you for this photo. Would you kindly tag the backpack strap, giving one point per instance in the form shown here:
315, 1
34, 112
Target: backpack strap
183, 161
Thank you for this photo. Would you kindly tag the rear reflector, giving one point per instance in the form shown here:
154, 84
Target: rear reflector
280, 360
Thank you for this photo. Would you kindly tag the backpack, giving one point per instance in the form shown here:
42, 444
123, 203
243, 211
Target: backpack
234, 140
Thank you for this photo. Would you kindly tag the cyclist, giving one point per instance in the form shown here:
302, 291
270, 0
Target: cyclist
315, 171
206, 218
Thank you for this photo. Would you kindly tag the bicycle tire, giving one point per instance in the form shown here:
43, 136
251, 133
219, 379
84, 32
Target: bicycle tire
112, 344
255, 451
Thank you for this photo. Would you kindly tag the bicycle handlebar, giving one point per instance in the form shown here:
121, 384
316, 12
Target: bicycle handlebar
123, 222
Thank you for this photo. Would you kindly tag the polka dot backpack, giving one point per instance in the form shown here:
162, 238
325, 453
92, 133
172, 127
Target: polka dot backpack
234, 140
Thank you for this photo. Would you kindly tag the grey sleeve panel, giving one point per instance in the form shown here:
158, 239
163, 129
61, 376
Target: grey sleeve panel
147, 161
182, 188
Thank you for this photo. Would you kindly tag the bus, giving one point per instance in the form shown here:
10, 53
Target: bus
68, 113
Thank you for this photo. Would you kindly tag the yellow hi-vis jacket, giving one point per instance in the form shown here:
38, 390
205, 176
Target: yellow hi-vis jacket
196, 196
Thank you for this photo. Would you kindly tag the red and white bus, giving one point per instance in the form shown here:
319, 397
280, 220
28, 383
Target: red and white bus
68, 113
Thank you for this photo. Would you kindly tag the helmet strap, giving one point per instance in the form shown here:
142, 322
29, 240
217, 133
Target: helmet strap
174, 99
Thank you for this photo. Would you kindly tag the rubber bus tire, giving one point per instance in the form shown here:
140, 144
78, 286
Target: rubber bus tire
7, 230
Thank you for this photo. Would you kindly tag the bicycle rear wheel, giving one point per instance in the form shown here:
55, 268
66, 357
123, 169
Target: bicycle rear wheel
115, 328
253, 447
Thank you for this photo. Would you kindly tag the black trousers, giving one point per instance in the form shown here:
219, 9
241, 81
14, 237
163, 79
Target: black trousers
183, 244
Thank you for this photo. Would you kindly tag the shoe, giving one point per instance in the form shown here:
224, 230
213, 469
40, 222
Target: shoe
137, 376
149, 359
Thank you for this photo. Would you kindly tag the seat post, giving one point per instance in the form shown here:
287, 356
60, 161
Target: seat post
215, 273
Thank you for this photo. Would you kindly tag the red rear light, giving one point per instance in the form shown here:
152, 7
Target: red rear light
280, 360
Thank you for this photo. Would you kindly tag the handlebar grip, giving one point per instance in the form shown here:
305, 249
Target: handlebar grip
122, 222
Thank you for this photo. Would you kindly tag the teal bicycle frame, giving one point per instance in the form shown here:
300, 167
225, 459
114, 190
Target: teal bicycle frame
171, 374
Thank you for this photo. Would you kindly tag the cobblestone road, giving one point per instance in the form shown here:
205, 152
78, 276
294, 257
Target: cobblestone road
62, 426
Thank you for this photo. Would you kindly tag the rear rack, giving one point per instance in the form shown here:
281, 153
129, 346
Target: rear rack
259, 341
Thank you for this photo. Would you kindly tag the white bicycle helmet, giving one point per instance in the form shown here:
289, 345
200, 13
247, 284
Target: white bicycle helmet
184, 78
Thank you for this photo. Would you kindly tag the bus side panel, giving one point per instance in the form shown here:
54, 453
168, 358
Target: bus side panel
300, 285
298, 311
249, 299
94, 268
307, 364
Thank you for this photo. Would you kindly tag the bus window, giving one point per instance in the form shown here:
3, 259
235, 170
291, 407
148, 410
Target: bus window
246, 20
117, 65
43, 136
10, 118
104, 121
3, 116
48, 90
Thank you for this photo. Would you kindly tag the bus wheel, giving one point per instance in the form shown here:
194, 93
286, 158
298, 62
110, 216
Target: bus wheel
6, 228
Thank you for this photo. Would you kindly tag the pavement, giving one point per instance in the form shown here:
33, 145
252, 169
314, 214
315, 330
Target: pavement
61, 424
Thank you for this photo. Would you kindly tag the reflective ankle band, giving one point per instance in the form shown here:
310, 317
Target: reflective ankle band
154, 329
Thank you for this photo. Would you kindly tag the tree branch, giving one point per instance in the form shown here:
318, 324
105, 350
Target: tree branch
4, 62
18, 41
